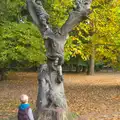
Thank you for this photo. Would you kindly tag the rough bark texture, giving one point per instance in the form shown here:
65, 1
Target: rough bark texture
51, 101
91, 70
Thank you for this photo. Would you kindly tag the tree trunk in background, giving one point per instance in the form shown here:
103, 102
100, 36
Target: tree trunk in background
2, 74
77, 68
91, 64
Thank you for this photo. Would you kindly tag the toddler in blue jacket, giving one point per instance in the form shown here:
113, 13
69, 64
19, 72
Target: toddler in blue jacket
24, 110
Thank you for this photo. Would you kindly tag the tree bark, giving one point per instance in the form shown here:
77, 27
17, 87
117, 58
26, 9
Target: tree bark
91, 65
2, 74
51, 102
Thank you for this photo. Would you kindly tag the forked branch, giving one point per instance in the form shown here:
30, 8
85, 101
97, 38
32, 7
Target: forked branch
40, 16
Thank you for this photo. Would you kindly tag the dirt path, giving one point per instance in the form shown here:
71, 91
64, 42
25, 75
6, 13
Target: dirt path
86, 95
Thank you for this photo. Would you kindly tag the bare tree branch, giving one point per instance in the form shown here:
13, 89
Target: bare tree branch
39, 15
79, 13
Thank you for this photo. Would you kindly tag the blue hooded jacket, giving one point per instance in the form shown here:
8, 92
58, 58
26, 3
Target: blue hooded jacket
24, 106
25, 112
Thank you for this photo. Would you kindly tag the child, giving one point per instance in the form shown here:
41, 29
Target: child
24, 110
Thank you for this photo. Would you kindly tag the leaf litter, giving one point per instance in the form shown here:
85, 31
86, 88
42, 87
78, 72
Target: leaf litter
93, 97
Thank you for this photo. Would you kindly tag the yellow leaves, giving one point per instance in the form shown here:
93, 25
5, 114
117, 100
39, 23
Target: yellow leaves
75, 51
75, 47
73, 38
77, 28
78, 52
72, 50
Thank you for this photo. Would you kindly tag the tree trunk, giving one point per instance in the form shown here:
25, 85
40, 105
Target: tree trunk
84, 69
2, 74
51, 102
77, 68
91, 65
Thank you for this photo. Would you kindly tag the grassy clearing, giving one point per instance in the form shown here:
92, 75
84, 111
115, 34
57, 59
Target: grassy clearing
90, 96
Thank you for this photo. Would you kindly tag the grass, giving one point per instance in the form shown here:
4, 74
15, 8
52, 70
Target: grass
91, 97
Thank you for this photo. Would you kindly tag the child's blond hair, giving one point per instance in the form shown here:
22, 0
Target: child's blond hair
24, 98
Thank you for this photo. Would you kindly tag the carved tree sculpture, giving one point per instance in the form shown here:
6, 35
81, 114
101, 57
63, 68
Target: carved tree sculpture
51, 90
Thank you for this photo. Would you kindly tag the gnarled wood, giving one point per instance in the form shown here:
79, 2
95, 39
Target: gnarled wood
50, 89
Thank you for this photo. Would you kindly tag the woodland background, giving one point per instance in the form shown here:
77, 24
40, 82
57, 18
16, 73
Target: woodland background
92, 47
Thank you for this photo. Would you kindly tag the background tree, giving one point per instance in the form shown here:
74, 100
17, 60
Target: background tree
98, 35
101, 30
20, 40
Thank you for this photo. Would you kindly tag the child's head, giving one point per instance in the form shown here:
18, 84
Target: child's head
24, 98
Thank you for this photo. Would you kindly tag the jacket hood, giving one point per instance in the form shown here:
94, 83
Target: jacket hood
24, 106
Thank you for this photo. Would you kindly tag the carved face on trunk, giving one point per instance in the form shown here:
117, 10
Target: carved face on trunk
54, 47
